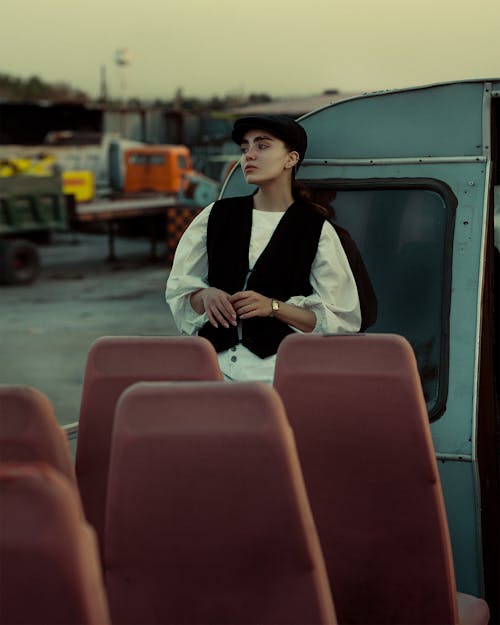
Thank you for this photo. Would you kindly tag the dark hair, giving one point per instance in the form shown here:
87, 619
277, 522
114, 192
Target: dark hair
302, 193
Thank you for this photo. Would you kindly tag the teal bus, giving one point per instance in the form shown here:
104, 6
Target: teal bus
414, 176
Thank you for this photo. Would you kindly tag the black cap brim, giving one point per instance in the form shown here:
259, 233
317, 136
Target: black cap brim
281, 126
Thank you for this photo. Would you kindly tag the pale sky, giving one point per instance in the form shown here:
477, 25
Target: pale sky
221, 47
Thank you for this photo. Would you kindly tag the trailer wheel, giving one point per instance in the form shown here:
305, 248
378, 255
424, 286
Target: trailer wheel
19, 262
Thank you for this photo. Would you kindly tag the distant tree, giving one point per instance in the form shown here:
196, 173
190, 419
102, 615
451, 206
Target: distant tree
63, 91
34, 88
216, 103
179, 98
233, 100
259, 98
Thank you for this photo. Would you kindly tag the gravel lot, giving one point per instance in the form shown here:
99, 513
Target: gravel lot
46, 329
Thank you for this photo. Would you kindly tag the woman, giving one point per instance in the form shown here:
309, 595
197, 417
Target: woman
250, 270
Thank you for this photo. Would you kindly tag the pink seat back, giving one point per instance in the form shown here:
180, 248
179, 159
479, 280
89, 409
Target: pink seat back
206, 480
357, 409
50, 571
113, 364
29, 431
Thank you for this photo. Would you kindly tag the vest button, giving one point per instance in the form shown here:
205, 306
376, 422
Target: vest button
234, 358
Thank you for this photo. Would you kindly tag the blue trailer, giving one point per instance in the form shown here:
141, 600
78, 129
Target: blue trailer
414, 176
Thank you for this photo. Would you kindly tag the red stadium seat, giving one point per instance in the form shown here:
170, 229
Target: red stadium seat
205, 478
113, 364
29, 431
360, 421
50, 570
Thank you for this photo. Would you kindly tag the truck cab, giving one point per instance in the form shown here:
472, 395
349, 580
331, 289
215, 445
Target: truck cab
414, 176
158, 168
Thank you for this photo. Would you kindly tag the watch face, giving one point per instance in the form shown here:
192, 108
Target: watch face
275, 305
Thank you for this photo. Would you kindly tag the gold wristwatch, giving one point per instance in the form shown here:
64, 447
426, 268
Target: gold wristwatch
275, 306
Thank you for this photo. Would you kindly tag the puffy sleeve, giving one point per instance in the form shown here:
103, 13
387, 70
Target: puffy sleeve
189, 273
334, 299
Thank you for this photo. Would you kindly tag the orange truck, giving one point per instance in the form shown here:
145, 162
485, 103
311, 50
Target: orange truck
157, 168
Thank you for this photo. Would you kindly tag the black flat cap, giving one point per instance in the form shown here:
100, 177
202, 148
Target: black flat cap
281, 126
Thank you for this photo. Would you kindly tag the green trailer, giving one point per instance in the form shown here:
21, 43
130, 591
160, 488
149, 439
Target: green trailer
31, 207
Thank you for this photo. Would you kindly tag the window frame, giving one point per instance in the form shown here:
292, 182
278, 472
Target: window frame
450, 203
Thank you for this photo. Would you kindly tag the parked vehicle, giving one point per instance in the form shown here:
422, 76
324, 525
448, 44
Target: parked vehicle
30, 206
121, 166
414, 176
102, 154
156, 168
109, 179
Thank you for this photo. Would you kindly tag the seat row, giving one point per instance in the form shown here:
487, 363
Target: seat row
217, 502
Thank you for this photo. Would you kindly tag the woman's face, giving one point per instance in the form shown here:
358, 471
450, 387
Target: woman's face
265, 158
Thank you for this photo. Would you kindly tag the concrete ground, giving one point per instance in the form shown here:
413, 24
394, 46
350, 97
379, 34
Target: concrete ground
46, 329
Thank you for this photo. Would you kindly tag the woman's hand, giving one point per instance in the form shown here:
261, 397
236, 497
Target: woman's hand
217, 304
251, 304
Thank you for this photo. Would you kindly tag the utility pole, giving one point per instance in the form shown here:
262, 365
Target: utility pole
104, 85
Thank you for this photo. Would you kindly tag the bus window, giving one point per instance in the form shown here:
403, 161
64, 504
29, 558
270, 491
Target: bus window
404, 236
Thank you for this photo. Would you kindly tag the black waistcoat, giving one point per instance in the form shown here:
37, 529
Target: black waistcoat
281, 271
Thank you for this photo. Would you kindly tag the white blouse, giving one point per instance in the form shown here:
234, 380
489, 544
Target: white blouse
334, 298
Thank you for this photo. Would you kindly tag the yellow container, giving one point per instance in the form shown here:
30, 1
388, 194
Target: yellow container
80, 184
40, 166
